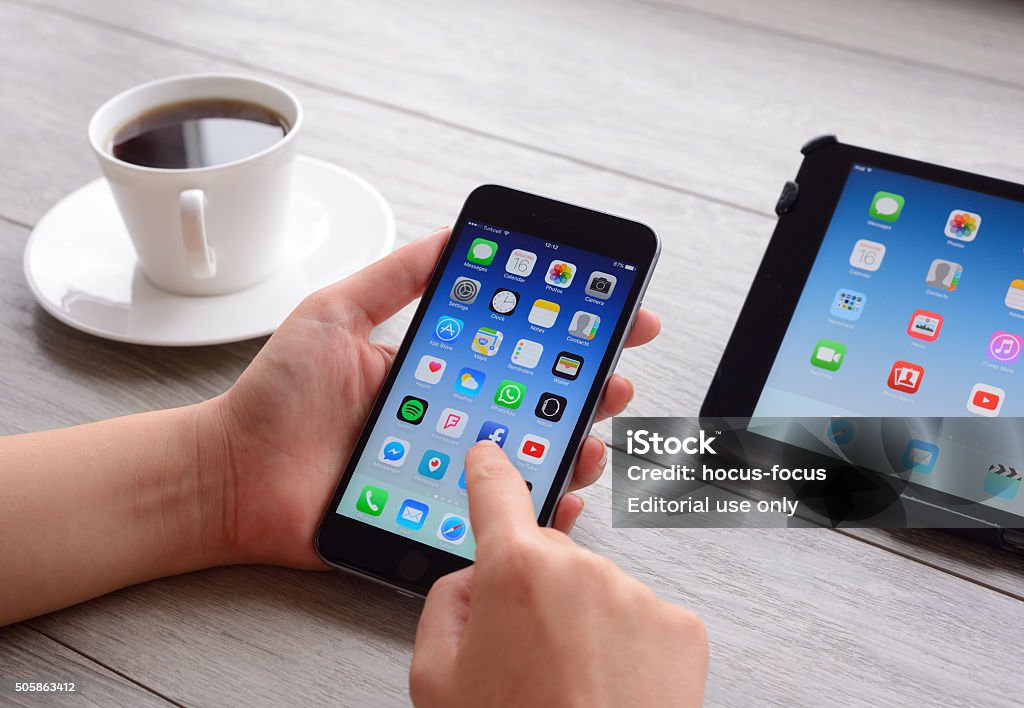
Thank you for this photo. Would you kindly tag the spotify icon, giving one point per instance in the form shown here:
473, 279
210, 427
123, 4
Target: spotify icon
412, 410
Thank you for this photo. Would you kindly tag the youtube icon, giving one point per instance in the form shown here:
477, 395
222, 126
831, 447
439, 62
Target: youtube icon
986, 400
533, 449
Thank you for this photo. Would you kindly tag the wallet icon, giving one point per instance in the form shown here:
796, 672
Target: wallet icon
412, 514
920, 456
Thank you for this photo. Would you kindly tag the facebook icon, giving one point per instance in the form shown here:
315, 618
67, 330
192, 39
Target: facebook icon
495, 432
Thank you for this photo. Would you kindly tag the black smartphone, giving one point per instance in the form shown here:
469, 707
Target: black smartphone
519, 329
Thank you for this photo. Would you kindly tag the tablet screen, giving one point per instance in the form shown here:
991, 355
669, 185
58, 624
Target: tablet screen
914, 307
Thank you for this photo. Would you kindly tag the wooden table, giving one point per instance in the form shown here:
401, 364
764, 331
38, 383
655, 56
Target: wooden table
687, 114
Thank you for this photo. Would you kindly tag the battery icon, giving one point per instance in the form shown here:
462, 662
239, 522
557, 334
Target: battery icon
628, 267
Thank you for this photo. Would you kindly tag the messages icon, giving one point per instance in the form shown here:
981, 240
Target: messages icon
886, 206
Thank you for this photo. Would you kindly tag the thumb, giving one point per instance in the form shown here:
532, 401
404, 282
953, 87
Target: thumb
439, 633
499, 502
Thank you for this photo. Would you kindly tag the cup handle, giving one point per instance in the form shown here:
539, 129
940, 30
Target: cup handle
198, 254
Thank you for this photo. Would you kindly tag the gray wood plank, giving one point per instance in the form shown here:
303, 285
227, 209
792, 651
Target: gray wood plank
982, 38
796, 618
712, 107
27, 656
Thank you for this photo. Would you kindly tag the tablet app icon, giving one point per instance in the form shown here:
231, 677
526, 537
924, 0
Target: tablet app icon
544, 313
533, 449
487, 341
584, 325
504, 301
372, 500
905, 377
1004, 347
944, 275
986, 400
920, 456
550, 407
430, 369
867, 255
452, 529
601, 285
828, 354
452, 423
497, 433
412, 514
434, 464
510, 394
394, 451
412, 410
886, 206
963, 225
848, 304
465, 290
527, 353
469, 382
560, 274
482, 251
447, 329
567, 366
924, 325
1015, 295
521, 262
1002, 481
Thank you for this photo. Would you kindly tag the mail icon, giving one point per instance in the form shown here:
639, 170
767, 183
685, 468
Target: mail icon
920, 456
412, 514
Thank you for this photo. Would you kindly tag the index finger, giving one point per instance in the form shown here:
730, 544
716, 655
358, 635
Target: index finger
499, 502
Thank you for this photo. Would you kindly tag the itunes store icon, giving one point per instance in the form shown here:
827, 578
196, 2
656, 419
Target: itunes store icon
1004, 347
986, 400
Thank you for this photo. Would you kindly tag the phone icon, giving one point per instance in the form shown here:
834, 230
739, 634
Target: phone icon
848, 304
533, 449
434, 464
567, 366
867, 255
469, 382
510, 394
452, 423
372, 500
412, 514
495, 432
412, 410
551, 406
905, 377
394, 451
601, 285
527, 353
828, 355
482, 251
430, 369
560, 274
963, 225
521, 262
452, 529
465, 290
925, 325
584, 325
944, 275
886, 206
487, 341
447, 328
986, 400
544, 312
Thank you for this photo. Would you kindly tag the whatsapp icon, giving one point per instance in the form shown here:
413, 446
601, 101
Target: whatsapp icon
509, 394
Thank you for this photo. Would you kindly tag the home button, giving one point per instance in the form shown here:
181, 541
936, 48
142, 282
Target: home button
413, 565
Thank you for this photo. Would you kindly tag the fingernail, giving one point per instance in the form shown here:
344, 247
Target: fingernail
604, 454
438, 230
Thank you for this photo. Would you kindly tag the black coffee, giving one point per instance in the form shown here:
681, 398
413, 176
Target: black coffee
198, 134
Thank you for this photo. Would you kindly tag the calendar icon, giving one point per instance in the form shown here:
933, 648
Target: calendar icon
867, 255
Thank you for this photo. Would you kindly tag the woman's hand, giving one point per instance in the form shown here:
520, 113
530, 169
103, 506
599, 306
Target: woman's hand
537, 620
288, 426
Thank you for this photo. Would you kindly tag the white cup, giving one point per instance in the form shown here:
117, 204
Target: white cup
203, 230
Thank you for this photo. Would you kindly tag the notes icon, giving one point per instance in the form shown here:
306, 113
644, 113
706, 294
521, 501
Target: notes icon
1015, 295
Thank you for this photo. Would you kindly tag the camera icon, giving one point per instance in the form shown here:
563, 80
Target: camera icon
601, 285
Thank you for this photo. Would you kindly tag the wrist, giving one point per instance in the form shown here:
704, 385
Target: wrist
209, 495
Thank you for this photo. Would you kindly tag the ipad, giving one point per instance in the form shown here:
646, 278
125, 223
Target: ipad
890, 288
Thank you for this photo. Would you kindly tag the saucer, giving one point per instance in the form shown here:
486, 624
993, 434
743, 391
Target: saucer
82, 268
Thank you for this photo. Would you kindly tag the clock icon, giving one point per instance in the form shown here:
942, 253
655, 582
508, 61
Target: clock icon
504, 301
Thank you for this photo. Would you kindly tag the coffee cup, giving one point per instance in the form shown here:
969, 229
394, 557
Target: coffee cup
200, 167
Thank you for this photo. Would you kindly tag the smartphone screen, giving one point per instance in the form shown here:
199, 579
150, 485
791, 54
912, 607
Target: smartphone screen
508, 349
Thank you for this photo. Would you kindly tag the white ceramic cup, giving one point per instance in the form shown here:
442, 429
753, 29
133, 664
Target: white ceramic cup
204, 230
